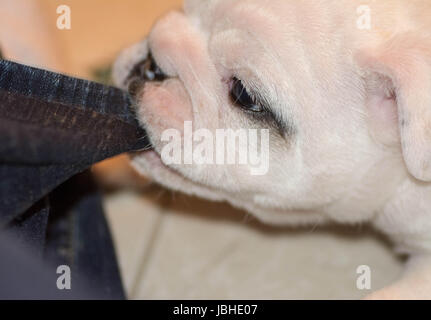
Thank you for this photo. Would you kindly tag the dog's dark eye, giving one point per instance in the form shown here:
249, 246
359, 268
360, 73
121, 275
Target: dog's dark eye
242, 98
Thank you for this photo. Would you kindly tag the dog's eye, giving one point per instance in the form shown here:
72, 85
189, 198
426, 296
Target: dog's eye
241, 97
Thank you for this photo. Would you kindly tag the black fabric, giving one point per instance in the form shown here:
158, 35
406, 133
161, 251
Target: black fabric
76, 234
52, 128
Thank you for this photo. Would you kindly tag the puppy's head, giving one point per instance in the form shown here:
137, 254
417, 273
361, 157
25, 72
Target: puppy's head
287, 69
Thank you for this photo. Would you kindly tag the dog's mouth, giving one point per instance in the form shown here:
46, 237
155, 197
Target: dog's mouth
144, 71
152, 165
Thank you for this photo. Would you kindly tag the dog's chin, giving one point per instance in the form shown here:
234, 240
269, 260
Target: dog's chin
149, 163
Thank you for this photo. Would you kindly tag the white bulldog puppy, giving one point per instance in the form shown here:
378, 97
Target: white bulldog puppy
343, 88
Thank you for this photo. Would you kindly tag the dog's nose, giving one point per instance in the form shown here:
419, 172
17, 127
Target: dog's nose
143, 71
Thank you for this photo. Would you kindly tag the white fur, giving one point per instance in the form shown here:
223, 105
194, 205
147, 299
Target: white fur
360, 101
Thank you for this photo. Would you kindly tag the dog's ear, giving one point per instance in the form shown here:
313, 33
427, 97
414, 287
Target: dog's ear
402, 67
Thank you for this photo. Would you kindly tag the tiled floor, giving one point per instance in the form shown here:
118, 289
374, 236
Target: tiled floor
173, 246
190, 248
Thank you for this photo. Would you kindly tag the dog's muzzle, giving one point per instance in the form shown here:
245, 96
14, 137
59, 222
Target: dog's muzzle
144, 71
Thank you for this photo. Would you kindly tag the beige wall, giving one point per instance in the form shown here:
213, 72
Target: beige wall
100, 28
